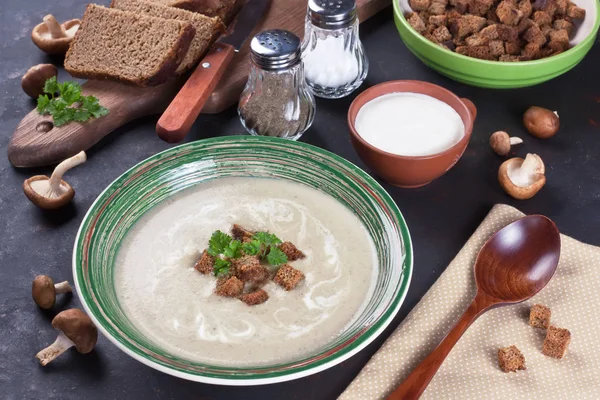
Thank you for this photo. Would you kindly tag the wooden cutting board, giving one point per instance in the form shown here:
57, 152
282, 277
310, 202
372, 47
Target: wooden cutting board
36, 142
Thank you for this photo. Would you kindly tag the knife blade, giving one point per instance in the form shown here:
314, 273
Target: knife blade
180, 115
247, 19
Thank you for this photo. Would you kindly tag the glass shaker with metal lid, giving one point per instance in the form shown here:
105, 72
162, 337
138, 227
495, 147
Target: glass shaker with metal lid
334, 59
276, 100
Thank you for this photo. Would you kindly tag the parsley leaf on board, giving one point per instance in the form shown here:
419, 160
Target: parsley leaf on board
221, 267
276, 256
70, 105
218, 242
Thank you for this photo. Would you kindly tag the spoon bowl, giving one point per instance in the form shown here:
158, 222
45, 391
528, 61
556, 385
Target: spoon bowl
511, 267
519, 260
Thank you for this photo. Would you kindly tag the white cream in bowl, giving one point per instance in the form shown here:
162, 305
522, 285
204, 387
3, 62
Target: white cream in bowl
409, 124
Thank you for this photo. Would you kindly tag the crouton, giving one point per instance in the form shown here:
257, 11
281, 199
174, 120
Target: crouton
545, 5
497, 48
290, 250
436, 8
560, 36
477, 40
464, 50
553, 48
534, 35
526, 8
249, 269
481, 52
561, 7
508, 33
556, 342
492, 18
416, 22
542, 18
460, 6
469, 24
539, 316
513, 48
490, 32
419, 5
241, 234
229, 287
448, 44
254, 298
531, 51
509, 58
511, 359
480, 7
563, 24
205, 265
288, 277
441, 34
525, 24
438, 20
575, 12
508, 13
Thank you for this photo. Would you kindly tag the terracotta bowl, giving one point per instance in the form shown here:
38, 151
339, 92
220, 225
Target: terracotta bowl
411, 171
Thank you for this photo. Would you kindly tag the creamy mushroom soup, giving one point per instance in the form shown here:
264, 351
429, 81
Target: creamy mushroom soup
175, 307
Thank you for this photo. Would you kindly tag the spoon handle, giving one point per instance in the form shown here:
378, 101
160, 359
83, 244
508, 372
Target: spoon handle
416, 383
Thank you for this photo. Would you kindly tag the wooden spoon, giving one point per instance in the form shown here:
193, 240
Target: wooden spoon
512, 266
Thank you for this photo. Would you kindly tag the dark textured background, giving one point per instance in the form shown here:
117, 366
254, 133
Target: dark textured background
441, 216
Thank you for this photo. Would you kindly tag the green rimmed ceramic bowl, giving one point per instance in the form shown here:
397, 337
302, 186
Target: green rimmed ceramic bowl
159, 177
495, 74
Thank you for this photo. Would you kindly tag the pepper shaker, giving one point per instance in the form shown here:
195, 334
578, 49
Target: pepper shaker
276, 100
333, 54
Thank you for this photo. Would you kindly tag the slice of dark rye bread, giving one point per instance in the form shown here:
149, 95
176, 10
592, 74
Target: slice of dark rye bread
224, 9
207, 28
121, 45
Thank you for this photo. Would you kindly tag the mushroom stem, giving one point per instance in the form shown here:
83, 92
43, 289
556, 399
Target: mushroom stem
55, 29
63, 167
62, 287
60, 345
515, 140
530, 164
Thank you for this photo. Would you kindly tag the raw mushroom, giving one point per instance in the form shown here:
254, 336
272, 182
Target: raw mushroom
501, 142
44, 291
541, 122
52, 37
522, 178
35, 78
76, 329
53, 192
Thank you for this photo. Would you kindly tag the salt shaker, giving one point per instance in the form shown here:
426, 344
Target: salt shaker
276, 100
334, 58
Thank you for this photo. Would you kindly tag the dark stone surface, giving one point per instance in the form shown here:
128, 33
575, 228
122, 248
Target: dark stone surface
441, 216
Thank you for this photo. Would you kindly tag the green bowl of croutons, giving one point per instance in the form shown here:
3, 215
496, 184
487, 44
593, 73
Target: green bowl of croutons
498, 44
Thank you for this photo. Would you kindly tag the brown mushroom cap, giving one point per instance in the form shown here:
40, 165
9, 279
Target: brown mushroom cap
43, 291
501, 142
535, 175
78, 327
541, 122
35, 78
34, 192
52, 44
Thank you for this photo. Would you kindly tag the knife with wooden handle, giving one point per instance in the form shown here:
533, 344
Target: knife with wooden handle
179, 117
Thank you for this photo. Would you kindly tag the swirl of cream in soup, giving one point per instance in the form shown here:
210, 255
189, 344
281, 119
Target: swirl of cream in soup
174, 305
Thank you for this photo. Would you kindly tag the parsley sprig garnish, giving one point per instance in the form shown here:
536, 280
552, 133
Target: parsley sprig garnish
224, 248
69, 105
264, 245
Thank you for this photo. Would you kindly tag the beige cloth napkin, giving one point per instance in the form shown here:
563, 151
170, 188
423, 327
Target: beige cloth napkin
471, 370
